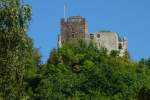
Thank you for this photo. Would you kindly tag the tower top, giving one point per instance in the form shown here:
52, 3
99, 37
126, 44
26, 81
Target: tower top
76, 19
73, 19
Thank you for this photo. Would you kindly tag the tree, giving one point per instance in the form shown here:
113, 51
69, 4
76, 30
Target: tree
82, 71
16, 48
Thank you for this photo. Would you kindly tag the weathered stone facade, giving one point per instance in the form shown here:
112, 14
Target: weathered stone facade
75, 27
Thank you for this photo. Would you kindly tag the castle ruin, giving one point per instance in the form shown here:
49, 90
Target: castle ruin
75, 28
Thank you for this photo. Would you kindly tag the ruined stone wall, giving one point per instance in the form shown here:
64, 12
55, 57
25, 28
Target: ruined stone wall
124, 43
107, 40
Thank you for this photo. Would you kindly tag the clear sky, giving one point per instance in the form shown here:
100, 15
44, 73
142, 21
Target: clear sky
129, 18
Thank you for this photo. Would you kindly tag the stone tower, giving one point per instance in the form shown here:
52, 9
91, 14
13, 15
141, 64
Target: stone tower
74, 27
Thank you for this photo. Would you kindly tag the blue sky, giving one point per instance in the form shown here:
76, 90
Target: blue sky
129, 18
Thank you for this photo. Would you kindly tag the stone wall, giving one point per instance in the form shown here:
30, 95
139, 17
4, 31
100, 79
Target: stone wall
107, 40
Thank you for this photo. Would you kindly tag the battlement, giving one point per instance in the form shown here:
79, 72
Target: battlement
76, 19
73, 19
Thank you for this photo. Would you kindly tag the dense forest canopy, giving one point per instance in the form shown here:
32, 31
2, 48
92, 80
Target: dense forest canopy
73, 72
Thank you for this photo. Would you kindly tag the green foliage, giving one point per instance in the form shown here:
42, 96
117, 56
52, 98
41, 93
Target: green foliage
82, 71
16, 49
